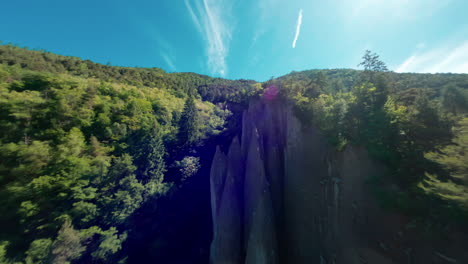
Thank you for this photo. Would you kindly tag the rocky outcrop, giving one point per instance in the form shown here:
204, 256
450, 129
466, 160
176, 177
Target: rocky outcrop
264, 193
283, 195
283, 187
246, 190
226, 206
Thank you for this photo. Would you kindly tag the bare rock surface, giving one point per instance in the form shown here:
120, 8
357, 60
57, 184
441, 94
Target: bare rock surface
226, 210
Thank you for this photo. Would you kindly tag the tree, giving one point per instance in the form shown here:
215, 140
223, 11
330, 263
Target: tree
452, 158
188, 127
188, 166
453, 100
322, 81
39, 251
371, 62
148, 152
155, 157
110, 243
3, 251
373, 68
101, 160
23, 108
427, 128
68, 245
330, 114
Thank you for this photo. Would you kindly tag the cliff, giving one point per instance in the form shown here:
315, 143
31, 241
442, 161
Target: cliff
283, 195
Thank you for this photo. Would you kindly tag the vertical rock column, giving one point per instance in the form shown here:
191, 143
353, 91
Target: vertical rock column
244, 218
304, 205
260, 229
227, 206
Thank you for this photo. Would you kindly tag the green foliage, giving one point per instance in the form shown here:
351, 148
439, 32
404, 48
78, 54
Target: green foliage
82, 154
188, 166
3, 251
453, 100
3, 74
68, 245
39, 251
212, 119
179, 84
110, 243
371, 62
452, 158
330, 113
188, 124
404, 120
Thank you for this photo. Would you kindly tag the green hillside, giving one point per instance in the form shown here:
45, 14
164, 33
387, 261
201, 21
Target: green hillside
84, 145
413, 123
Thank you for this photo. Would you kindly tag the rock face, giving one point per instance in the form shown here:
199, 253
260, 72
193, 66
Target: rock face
283, 195
226, 207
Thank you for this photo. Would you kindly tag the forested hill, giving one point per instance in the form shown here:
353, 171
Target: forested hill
180, 84
211, 89
85, 148
344, 79
416, 124
107, 164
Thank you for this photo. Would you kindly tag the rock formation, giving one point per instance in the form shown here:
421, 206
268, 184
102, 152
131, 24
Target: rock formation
283, 195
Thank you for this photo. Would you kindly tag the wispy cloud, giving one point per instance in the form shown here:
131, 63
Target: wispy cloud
209, 18
447, 58
194, 17
166, 51
298, 29
169, 61
267, 11
406, 64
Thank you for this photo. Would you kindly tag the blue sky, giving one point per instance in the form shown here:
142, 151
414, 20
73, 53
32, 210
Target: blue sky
251, 39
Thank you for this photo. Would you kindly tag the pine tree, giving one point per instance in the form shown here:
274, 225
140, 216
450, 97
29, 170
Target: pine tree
373, 68
68, 245
371, 62
188, 127
154, 153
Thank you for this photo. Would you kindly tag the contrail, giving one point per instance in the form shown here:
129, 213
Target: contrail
298, 28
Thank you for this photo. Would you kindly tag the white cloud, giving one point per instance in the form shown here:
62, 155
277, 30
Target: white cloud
447, 58
210, 18
298, 29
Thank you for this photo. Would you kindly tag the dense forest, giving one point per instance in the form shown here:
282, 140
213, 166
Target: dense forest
86, 149
82, 150
414, 123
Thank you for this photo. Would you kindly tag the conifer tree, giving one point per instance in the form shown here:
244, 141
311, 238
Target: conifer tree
188, 127
373, 68
154, 153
